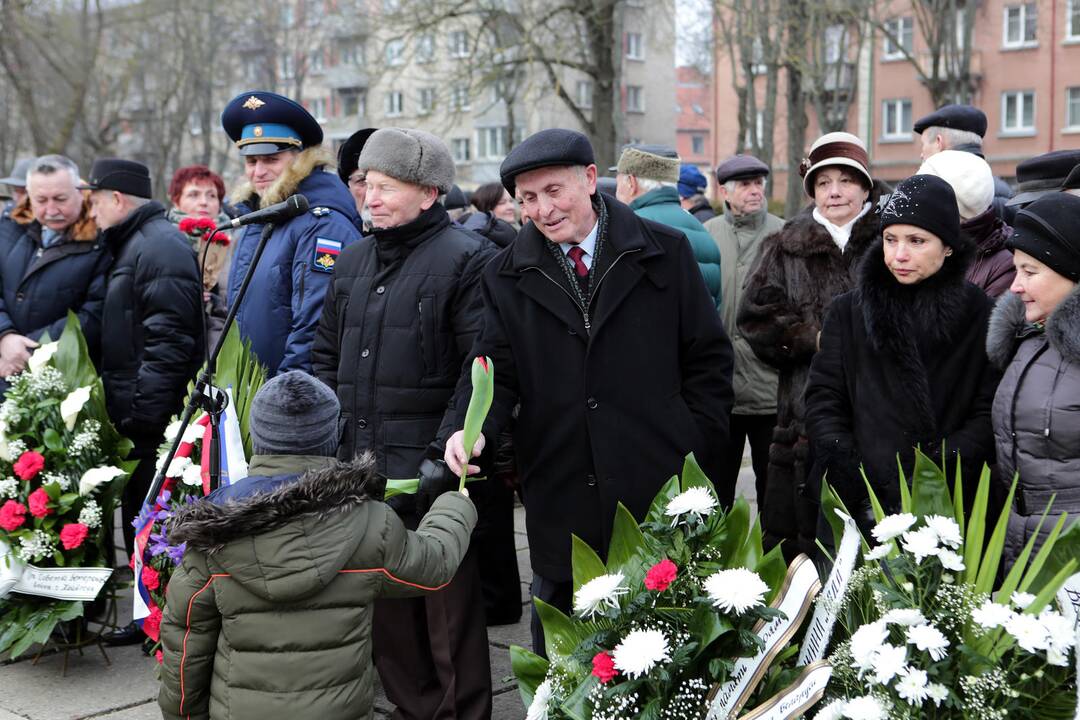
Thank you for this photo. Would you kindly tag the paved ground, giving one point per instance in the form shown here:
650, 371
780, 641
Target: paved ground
125, 688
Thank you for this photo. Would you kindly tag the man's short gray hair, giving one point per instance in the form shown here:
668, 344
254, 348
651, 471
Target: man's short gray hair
648, 184
49, 164
951, 137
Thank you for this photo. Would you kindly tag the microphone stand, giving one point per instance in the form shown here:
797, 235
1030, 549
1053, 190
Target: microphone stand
205, 397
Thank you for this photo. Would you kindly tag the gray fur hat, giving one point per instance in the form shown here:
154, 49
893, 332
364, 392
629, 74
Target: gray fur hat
654, 162
411, 156
294, 414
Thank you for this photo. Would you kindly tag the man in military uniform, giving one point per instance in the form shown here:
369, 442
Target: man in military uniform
281, 144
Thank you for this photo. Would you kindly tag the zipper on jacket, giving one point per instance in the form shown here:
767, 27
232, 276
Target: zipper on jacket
303, 274
588, 304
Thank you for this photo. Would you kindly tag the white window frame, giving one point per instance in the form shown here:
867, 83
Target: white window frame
459, 98
425, 48
1022, 21
1072, 21
395, 52
461, 149
286, 66
695, 138
395, 103
458, 44
638, 92
902, 27
1072, 120
584, 94
893, 110
426, 100
316, 61
833, 38
359, 96
635, 46
759, 126
491, 143
352, 52
319, 108
1021, 97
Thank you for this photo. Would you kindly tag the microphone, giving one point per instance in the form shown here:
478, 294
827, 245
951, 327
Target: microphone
293, 206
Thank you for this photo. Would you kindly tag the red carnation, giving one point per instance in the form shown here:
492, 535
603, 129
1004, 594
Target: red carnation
661, 575
205, 224
603, 667
29, 464
187, 225
150, 578
151, 624
72, 535
159, 656
39, 503
12, 515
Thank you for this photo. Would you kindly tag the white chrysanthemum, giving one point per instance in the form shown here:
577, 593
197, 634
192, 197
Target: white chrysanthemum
866, 707
832, 711
9, 488
888, 663
950, 560
94, 477
1060, 631
880, 552
892, 526
912, 686
697, 502
640, 651
42, 356
1022, 599
194, 433
177, 467
736, 590
90, 515
946, 529
992, 615
1057, 657
72, 405
1030, 634
172, 430
192, 475
599, 593
865, 644
928, 639
938, 693
921, 543
538, 708
904, 616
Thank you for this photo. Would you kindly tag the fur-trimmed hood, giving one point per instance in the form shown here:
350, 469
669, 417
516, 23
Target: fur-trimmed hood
83, 230
1009, 327
314, 159
804, 236
288, 542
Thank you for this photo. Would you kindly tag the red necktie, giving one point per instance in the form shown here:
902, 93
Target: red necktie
576, 253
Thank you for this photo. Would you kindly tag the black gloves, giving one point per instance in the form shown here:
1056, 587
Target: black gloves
435, 479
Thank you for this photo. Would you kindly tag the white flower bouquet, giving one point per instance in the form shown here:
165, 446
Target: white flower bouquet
927, 629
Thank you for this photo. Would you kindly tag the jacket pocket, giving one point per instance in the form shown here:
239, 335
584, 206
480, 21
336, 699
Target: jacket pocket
405, 440
429, 351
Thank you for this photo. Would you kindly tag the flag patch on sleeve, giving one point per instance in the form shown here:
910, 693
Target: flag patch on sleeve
326, 253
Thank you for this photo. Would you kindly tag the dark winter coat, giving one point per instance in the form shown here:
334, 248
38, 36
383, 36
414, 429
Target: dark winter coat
613, 395
1036, 415
39, 285
798, 272
400, 318
269, 615
992, 269
283, 304
899, 367
497, 231
151, 331
702, 210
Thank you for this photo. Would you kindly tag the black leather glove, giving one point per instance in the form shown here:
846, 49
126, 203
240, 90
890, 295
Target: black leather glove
435, 479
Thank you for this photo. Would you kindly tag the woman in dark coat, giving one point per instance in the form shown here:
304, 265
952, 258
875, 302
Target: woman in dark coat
1035, 336
798, 271
902, 360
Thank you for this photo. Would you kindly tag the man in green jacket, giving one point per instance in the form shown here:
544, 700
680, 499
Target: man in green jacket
738, 233
269, 614
647, 181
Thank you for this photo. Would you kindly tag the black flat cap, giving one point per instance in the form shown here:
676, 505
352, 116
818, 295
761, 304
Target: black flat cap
1072, 182
349, 153
1046, 230
1043, 174
547, 148
957, 117
125, 176
740, 167
455, 199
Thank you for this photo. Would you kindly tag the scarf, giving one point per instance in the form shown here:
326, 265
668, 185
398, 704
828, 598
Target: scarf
840, 233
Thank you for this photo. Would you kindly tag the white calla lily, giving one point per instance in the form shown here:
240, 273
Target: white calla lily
42, 356
72, 405
94, 477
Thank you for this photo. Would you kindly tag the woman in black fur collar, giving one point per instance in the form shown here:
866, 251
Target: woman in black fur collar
902, 360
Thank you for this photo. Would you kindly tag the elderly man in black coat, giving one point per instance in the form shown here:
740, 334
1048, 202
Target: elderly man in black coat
599, 323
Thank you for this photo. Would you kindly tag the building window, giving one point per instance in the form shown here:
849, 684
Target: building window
1072, 108
1072, 21
395, 52
425, 48
1018, 112
759, 128
459, 97
492, 143
584, 94
353, 102
896, 119
1021, 22
395, 103
318, 109
834, 44
427, 100
288, 15
316, 63
286, 66
697, 144
195, 123
391, 6
352, 52
899, 37
635, 99
635, 46
460, 149
459, 44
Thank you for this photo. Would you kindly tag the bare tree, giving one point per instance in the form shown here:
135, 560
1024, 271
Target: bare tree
796, 16
834, 39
